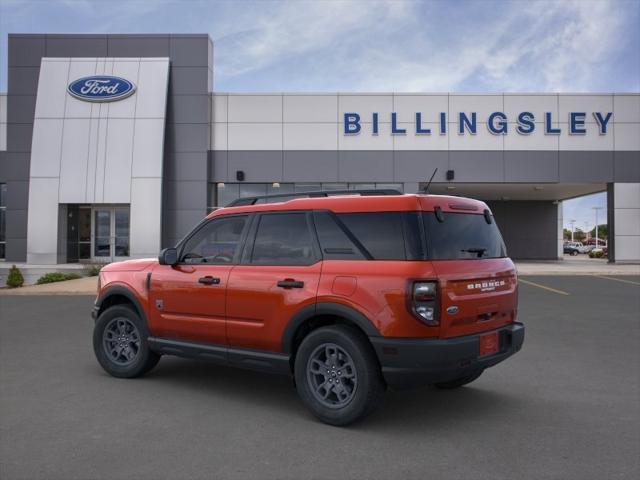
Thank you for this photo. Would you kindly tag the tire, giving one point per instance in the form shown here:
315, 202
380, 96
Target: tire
458, 382
122, 324
342, 355
574, 253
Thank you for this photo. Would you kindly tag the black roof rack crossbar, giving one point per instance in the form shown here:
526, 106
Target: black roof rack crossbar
319, 193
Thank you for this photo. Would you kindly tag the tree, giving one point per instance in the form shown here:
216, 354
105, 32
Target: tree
578, 235
566, 234
603, 231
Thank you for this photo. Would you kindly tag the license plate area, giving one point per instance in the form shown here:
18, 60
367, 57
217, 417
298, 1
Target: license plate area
489, 344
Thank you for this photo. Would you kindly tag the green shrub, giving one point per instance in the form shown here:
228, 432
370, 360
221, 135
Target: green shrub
596, 254
15, 278
57, 277
93, 270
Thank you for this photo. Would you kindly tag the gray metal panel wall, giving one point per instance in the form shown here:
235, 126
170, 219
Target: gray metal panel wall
529, 228
611, 223
25, 52
187, 129
186, 164
513, 166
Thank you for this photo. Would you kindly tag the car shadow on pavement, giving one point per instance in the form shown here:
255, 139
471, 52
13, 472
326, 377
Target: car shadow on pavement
246, 386
415, 409
429, 408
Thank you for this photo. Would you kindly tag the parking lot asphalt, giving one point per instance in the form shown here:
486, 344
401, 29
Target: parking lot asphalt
566, 407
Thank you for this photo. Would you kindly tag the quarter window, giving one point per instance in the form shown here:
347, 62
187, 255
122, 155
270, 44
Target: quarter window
334, 241
215, 243
380, 233
283, 239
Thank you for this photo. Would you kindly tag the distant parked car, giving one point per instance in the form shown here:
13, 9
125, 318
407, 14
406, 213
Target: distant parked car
592, 241
571, 249
600, 251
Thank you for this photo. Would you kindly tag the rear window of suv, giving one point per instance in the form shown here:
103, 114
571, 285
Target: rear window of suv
462, 236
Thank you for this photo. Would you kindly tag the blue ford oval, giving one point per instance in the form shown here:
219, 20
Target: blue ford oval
101, 88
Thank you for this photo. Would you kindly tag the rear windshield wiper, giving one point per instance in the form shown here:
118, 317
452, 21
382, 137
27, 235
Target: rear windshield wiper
479, 251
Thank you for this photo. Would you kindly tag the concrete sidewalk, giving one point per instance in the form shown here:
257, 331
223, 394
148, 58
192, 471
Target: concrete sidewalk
81, 286
580, 265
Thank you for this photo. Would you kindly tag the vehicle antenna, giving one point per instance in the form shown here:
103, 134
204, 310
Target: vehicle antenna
426, 189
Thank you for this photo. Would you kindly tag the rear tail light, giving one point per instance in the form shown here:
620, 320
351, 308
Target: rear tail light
424, 296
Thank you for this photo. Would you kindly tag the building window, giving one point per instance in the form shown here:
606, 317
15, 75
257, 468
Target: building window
3, 222
222, 194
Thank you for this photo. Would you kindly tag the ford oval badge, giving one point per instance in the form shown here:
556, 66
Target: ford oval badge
101, 88
452, 310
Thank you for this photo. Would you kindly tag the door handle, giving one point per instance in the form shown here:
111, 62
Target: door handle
208, 280
290, 283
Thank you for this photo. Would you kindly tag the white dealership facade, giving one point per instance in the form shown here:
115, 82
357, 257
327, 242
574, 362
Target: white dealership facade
98, 179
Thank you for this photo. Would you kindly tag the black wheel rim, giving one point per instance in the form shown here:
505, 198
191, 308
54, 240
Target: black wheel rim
121, 341
331, 374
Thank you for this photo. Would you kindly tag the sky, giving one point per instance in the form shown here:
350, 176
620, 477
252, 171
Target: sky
581, 210
377, 45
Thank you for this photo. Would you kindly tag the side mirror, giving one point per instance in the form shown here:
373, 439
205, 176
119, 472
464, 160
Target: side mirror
168, 256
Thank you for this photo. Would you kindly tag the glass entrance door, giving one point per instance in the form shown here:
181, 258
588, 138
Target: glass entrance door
84, 233
78, 220
121, 232
110, 233
102, 234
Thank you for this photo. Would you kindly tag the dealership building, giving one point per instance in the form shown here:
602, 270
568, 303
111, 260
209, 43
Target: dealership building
114, 146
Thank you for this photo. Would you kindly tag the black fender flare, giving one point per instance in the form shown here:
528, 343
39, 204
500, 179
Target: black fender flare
325, 308
124, 292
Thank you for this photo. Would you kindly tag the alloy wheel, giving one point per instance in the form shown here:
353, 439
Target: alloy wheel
121, 341
331, 375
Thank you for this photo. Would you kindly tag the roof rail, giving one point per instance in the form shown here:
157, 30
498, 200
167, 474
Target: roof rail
320, 193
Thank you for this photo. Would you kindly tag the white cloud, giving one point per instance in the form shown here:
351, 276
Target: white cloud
297, 29
377, 45
405, 46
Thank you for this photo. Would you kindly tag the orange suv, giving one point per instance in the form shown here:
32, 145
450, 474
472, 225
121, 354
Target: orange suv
347, 292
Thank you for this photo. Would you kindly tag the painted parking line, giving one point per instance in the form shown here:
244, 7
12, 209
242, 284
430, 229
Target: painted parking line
618, 279
544, 287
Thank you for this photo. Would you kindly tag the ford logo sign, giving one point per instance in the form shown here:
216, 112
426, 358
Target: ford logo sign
452, 310
101, 88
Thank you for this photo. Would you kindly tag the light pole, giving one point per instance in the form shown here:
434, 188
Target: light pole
586, 231
596, 209
572, 222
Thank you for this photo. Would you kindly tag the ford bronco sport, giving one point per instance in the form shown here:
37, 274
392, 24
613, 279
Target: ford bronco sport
348, 293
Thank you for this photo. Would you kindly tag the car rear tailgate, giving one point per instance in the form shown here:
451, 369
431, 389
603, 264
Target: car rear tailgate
476, 295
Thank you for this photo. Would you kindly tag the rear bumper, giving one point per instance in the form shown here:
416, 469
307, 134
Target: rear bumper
415, 362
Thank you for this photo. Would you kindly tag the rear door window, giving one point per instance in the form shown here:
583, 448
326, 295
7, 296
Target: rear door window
462, 236
283, 239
